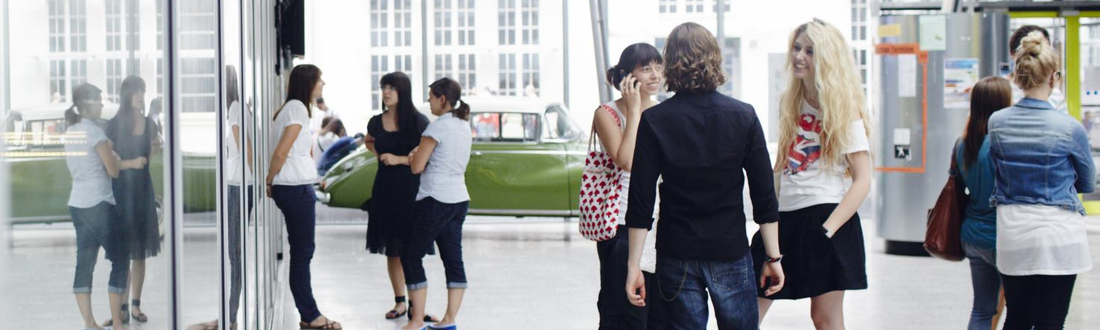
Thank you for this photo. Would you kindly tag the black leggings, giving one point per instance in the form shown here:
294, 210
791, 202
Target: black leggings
1041, 301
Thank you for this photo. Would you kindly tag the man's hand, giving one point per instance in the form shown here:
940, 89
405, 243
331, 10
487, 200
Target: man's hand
635, 286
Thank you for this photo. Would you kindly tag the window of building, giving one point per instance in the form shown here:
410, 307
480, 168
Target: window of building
59, 90
79, 72
78, 25
67, 35
530, 22
198, 23
402, 17
531, 75
443, 65
667, 6
731, 63
507, 75
443, 11
506, 22
467, 73
465, 22
403, 63
198, 84
114, 78
57, 25
693, 6
379, 23
379, 66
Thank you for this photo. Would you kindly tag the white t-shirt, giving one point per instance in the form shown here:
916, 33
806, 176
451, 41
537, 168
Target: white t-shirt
233, 166
1041, 240
91, 184
445, 176
299, 168
804, 182
1057, 98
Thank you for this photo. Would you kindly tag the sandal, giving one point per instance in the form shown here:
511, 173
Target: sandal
125, 317
393, 314
329, 325
140, 317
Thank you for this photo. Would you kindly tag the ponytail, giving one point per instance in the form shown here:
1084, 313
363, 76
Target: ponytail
71, 117
452, 91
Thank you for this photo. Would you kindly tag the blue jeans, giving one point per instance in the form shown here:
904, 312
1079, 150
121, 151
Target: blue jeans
987, 285
684, 285
98, 226
440, 223
299, 208
235, 224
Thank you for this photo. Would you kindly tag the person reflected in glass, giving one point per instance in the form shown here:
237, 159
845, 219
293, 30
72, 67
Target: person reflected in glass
1042, 161
289, 182
638, 75
92, 164
975, 175
332, 131
391, 136
135, 138
441, 202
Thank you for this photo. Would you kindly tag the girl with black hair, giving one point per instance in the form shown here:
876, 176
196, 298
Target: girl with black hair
391, 136
92, 164
638, 75
441, 202
135, 140
290, 182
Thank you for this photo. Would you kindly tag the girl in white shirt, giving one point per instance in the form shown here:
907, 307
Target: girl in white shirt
290, 182
442, 202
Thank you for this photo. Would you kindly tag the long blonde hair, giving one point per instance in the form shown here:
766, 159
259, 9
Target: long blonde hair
839, 91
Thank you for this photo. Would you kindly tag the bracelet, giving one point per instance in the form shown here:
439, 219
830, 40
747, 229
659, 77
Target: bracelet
771, 260
826, 231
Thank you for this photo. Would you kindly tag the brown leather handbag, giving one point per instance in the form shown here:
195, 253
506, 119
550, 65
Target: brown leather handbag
945, 218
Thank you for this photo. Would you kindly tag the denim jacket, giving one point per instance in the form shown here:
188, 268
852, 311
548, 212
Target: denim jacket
1040, 156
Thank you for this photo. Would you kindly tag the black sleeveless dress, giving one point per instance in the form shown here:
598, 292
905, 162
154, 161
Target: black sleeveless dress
134, 194
393, 195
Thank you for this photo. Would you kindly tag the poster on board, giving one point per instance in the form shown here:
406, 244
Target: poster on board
959, 77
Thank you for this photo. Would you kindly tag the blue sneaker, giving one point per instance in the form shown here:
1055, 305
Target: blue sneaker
451, 326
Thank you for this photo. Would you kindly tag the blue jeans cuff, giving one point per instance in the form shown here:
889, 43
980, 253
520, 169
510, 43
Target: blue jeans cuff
86, 289
456, 285
117, 290
417, 286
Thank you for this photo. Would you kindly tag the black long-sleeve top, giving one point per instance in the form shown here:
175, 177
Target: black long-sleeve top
700, 143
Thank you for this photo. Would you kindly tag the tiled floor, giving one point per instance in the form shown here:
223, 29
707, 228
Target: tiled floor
531, 273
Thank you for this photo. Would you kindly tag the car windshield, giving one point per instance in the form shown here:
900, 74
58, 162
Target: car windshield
559, 125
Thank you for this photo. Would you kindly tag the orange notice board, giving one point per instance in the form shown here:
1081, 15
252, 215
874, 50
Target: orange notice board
922, 58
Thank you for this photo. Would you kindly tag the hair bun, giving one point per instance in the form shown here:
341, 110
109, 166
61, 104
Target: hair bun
1033, 43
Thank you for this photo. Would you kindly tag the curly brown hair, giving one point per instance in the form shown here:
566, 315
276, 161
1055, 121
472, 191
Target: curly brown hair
693, 61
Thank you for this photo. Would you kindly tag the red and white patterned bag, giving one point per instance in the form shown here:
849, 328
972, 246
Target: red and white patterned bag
600, 191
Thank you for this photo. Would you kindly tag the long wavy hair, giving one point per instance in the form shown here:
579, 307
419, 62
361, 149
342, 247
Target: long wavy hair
839, 89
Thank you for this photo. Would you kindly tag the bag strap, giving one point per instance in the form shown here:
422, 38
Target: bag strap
614, 114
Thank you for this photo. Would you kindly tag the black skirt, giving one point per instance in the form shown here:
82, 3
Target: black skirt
813, 263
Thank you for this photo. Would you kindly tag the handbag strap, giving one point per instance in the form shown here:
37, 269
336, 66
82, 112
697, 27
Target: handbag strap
614, 114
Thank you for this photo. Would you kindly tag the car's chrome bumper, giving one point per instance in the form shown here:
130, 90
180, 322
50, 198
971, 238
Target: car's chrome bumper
321, 196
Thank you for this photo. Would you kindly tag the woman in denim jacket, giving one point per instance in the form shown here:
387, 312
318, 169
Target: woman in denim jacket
1041, 161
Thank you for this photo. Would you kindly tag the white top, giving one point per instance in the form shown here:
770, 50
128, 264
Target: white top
1041, 240
91, 184
804, 183
445, 176
299, 168
624, 180
322, 142
233, 166
649, 251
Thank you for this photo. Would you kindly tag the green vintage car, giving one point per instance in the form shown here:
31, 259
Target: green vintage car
527, 160
40, 180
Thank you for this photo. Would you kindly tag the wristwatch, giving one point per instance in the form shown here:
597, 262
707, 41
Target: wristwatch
770, 260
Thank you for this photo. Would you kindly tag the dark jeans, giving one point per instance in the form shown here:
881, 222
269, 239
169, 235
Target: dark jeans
1039, 301
616, 311
684, 285
98, 226
298, 206
654, 305
235, 225
987, 285
440, 223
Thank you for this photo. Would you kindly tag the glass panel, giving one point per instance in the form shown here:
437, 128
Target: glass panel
79, 206
519, 127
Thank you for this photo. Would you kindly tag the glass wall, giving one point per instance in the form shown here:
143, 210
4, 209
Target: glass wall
129, 142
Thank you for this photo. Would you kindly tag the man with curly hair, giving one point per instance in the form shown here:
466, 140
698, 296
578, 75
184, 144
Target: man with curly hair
700, 141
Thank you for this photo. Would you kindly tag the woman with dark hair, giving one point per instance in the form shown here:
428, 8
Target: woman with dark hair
441, 202
391, 136
92, 164
289, 182
975, 174
135, 140
704, 146
638, 76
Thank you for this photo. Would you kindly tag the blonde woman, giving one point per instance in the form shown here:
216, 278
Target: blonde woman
823, 141
1041, 161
